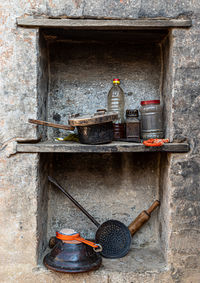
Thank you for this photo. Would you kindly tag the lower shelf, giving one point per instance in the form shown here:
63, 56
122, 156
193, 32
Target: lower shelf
138, 260
139, 265
56, 146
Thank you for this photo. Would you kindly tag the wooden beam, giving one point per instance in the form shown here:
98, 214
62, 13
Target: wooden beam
72, 147
103, 24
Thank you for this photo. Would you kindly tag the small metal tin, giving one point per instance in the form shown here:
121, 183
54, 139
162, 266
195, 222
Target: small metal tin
132, 125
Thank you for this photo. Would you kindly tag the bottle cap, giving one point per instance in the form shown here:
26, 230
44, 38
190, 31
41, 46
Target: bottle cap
116, 81
131, 113
145, 102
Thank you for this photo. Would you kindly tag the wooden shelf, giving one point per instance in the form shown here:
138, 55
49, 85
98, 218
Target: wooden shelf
102, 23
73, 147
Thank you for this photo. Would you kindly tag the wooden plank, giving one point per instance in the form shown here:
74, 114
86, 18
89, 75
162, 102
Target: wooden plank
73, 147
103, 24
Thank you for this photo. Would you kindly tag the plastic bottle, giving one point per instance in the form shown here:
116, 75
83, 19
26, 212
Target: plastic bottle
116, 104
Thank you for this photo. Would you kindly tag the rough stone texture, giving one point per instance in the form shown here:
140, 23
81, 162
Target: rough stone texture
166, 84
184, 170
21, 192
42, 84
18, 211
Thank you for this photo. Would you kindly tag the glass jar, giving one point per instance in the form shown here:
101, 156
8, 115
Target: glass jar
151, 119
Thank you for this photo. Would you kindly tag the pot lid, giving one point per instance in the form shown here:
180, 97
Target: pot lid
101, 116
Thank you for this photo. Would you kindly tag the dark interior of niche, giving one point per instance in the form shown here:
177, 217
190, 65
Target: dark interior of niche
139, 37
82, 64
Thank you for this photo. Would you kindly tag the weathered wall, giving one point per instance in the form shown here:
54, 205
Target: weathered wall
18, 96
184, 170
42, 84
18, 210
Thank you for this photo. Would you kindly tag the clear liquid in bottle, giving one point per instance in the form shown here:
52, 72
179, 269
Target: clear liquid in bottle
116, 105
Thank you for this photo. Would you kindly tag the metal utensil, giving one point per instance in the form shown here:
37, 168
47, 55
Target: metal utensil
112, 235
92, 129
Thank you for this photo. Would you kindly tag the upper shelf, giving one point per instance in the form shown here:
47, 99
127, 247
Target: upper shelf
103, 24
73, 147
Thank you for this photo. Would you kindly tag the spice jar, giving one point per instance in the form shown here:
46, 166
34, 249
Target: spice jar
151, 119
132, 125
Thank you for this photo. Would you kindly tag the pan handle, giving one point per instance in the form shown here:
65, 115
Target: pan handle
48, 124
52, 180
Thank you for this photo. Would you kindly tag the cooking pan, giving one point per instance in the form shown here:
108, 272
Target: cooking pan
92, 129
114, 237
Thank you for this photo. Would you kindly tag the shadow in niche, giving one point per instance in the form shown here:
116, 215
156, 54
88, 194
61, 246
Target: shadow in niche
164, 192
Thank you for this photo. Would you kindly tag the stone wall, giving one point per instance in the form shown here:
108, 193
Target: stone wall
20, 183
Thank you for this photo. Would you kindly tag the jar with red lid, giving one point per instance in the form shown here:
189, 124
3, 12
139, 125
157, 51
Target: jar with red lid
151, 119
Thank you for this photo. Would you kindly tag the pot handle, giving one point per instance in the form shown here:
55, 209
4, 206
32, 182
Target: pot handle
48, 124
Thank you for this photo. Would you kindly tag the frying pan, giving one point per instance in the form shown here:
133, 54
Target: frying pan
112, 235
93, 129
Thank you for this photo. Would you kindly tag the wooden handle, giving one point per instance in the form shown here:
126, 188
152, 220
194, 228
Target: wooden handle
138, 222
142, 218
153, 207
48, 124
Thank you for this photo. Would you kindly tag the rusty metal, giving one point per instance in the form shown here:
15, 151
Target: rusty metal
96, 128
96, 134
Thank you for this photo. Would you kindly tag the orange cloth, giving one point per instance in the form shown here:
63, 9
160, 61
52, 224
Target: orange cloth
75, 237
155, 142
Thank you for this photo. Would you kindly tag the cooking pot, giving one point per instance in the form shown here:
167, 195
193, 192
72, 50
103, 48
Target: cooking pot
92, 129
72, 256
